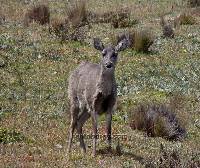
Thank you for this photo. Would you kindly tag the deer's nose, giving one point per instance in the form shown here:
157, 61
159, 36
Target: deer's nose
109, 65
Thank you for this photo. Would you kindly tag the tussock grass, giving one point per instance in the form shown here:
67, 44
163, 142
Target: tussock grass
157, 120
166, 28
38, 13
121, 18
76, 13
73, 26
143, 40
185, 19
58, 27
139, 40
193, 3
2, 18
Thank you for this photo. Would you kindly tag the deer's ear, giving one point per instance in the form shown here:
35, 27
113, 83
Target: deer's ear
98, 44
122, 45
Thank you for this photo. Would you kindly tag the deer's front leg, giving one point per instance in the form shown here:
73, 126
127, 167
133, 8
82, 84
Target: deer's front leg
109, 128
109, 112
94, 124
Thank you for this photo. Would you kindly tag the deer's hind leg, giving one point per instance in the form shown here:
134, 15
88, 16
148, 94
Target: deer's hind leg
74, 109
81, 121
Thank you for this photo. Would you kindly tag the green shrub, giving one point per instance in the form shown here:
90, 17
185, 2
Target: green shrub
8, 136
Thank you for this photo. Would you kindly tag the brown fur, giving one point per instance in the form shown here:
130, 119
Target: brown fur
39, 13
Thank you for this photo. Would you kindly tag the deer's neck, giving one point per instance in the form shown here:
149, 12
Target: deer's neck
106, 81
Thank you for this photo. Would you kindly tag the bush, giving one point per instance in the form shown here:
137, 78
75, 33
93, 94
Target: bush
64, 30
139, 40
185, 19
171, 158
39, 13
121, 19
166, 28
193, 3
73, 27
77, 14
58, 27
8, 136
156, 120
143, 40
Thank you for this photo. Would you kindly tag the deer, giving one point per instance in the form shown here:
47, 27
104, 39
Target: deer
92, 91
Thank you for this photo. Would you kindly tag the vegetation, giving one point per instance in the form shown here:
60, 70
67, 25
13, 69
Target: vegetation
121, 18
8, 136
186, 18
39, 13
166, 28
139, 40
143, 40
34, 70
194, 3
157, 120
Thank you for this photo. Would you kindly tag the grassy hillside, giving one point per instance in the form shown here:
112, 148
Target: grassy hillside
34, 70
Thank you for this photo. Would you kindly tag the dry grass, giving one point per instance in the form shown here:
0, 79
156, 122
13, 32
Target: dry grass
39, 13
77, 14
121, 18
73, 26
118, 17
172, 158
2, 18
196, 11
